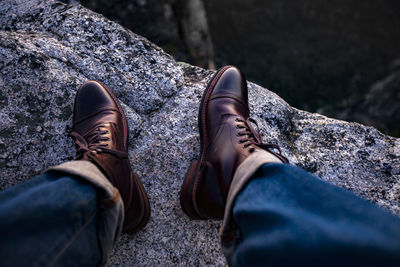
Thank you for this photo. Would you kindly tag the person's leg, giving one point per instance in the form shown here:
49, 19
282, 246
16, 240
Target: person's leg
285, 216
73, 214
59, 219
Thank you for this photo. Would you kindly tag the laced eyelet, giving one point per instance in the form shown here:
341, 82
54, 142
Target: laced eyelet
237, 119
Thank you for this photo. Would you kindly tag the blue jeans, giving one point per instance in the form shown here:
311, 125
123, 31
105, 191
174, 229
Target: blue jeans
284, 215
56, 219
287, 217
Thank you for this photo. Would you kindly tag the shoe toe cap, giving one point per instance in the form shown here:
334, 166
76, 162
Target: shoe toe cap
90, 98
232, 82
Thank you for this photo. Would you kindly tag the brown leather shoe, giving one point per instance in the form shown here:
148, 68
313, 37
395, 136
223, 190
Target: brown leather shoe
100, 130
227, 139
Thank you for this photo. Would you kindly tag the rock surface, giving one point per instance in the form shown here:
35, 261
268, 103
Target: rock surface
47, 49
178, 26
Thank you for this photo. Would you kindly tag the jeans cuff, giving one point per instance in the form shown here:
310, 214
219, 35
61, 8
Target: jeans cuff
89, 172
111, 215
243, 175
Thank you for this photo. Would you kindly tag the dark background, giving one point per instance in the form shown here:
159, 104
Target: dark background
340, 58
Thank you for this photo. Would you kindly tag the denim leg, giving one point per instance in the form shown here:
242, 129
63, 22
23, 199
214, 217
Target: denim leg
54, 219
287, 217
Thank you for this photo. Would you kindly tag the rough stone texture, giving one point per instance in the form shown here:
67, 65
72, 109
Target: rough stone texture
47, 49
178, 26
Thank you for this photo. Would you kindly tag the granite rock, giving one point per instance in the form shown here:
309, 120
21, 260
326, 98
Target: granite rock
47, 49
178, 26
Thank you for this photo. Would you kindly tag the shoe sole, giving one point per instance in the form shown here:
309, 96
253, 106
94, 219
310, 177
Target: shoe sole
145, 200
193, 175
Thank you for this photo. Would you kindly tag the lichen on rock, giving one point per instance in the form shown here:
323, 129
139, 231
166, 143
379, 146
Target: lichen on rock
47, 49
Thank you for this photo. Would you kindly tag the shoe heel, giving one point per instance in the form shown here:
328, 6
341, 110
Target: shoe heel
202, 177
186, 196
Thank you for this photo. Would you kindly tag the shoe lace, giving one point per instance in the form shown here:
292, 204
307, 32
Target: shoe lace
252, 138
93, 142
